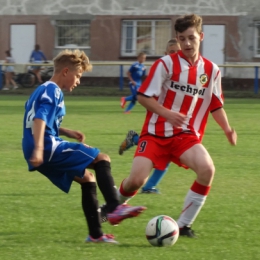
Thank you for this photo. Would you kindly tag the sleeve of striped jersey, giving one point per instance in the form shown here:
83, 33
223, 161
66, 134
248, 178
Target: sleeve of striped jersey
152, 85
217, 99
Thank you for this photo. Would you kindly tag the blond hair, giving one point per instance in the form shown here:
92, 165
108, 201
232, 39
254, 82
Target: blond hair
140, 54
73, 59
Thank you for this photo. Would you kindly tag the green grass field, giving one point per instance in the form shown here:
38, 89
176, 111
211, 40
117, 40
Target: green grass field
40, 222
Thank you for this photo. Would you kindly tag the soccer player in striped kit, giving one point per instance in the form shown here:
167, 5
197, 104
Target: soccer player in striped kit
179, 93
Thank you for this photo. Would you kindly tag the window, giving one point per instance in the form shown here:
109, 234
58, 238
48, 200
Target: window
257, 39
149, 36
72, 33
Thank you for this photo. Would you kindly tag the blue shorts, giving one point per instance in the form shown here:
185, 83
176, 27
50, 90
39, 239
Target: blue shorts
36, 67
134, 89
68, 161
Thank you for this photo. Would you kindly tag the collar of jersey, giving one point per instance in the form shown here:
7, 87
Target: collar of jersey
180, 53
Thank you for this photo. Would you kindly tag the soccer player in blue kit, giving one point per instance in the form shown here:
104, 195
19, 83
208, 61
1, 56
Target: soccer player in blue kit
135, 75
63, 162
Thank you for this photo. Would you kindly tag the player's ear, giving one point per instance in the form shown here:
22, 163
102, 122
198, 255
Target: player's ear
201, 36
65, 71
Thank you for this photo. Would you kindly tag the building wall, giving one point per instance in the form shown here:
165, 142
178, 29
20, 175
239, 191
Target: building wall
106, 35
129, 7
44, 32
106, 16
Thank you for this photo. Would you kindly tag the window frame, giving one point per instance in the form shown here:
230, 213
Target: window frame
134, 53
88, 22
256, 39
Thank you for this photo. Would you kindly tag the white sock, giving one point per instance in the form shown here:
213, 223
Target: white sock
192, 206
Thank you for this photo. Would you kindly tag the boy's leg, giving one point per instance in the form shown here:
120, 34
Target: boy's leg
90, 208
128, 98
133, 98
124, 100
198, 159
131, 139
153, 181
115, 212
139, 173
105, 181
130, 106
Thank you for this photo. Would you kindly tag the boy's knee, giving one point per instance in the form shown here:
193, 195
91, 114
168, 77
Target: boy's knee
206, 173
102, 157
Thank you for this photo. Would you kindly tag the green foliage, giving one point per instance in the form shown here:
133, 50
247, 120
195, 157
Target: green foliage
40, 222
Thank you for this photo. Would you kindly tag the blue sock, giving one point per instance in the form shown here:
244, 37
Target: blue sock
155, 178
130, 106
129, 98
136, 139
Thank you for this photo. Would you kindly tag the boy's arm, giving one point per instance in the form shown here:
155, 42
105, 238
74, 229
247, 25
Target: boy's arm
72, 134
220, 117
130, 77
38, 136
174, 118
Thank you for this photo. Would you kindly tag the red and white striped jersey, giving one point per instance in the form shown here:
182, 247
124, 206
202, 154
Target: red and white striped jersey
192, 90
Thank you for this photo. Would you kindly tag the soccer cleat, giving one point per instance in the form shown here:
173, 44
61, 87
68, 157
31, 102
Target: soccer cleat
103, 213
122, 102
5, 89
122, 212
128, 142
150, 191
106, 238
15, 87
187, 231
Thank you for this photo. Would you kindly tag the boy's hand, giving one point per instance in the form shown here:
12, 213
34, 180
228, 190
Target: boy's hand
80, 137
231, 136
176, 119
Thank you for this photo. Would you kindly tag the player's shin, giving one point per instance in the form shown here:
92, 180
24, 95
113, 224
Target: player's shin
125, 196
90, 208
194, 201
106, 184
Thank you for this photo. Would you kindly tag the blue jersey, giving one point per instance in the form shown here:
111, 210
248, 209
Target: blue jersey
137, 71
45, 103
37, 56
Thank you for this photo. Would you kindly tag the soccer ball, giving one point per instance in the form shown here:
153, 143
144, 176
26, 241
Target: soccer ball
162, 231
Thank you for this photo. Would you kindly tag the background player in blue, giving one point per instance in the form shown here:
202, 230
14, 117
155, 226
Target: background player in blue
135, 74
63, 162
37, 56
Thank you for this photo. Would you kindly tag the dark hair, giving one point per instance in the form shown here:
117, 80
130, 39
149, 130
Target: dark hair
187, 21
37, 47
8, 53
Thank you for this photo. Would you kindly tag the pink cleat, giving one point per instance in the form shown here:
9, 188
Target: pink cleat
106, 238
124, 211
